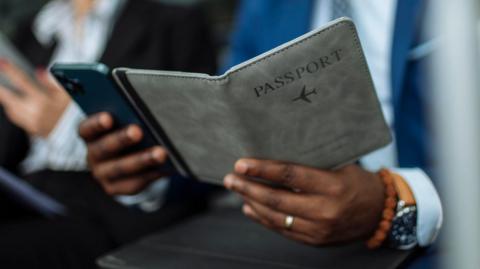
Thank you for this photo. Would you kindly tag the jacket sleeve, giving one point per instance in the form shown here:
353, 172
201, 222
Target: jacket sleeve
14, 143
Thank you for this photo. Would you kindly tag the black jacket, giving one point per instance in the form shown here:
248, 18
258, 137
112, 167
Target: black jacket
147, 35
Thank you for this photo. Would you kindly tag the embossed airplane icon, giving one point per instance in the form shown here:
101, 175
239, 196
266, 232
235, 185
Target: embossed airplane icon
304, 95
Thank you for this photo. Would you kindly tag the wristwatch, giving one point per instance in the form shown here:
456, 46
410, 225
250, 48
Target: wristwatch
403, 233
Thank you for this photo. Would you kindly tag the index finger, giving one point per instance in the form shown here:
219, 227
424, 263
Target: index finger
18, 78
8, 98
288, 202
95, 126
296, 177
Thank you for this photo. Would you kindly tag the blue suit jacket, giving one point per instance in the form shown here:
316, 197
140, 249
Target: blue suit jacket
265, 24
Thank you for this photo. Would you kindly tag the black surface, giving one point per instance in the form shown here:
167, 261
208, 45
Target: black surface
226, 239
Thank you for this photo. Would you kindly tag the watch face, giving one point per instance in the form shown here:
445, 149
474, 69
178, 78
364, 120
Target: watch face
403, 233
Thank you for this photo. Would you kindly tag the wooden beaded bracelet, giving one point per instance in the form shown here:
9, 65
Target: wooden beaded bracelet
388, 213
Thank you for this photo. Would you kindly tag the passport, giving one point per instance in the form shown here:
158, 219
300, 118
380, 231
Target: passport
310, 101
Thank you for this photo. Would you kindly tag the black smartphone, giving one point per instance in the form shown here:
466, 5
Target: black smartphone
92, 87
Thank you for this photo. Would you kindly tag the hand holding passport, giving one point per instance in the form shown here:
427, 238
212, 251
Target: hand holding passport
295, 112
310, 101
299, 115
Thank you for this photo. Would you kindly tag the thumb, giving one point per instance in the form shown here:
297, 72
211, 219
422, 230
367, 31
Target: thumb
51, 86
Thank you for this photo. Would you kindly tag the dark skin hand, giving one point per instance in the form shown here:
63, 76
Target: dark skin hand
328, 207
119, 172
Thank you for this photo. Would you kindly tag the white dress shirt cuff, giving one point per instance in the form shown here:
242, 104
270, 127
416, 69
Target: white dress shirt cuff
64, 124
429, 207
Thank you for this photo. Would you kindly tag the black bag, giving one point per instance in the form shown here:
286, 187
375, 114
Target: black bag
224, 238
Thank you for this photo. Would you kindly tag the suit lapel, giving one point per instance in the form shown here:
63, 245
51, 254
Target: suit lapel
286, 21
406, 26
119, 43
300, 21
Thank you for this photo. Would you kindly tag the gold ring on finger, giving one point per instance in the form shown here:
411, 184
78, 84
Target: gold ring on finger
289, 220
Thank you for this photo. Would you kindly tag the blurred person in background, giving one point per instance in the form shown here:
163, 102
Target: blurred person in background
330, 207
38, 128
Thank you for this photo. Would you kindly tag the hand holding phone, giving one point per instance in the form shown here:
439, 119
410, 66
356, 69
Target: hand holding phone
123, 154
117, 169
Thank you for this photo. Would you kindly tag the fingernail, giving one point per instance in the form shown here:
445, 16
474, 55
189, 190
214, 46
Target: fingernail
134, 132
158, 155
131, 132
241, 167
105, 121
247, 210
228, 181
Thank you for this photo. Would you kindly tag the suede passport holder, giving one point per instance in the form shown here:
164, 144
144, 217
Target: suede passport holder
310, 101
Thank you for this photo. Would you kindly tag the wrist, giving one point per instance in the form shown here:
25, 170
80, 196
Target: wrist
373, 196
398, 223
55, 118
403, 233
379, 204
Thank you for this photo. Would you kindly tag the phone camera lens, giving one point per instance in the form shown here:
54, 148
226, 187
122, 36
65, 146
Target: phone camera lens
72, 85
77, 87
69, 87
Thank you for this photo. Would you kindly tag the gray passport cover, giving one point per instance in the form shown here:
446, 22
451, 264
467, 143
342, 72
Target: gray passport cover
310, 101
